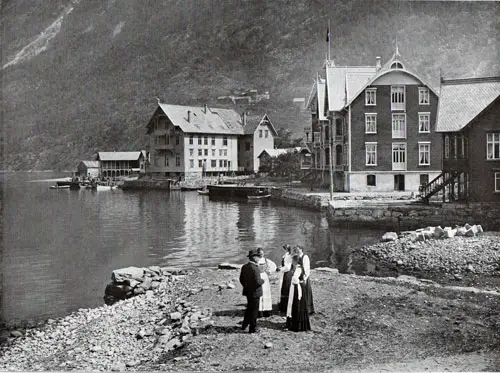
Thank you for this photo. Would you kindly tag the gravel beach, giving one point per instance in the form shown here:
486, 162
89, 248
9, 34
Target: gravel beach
187, 320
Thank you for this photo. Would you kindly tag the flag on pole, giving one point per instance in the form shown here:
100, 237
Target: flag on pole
328, 34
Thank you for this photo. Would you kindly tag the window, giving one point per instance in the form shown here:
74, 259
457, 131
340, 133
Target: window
213, 163
247, 145
424, 120
447, 146
371, 96
200, 152
398, 126
200, 163
213, 152
339, 127
224, 141
191, 139
191, 163
178, 160
497, 181
221, 163
191, 152
225, 163
493, 146
397, 98
371, 153
397, 65
423, 96
260, 133
199, 140
424, 153
225, 152
266, 134
370, 123
206, 152
371, 180
424, 179
213, 140
177, 140
205, 140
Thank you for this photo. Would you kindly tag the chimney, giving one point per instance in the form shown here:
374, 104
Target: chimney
244, 118
189, 116
206, 108
378, 65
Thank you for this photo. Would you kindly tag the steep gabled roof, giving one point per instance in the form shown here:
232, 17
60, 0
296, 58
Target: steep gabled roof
194, 119
343, 81
273, 152
118, 156
462, 100
253, 121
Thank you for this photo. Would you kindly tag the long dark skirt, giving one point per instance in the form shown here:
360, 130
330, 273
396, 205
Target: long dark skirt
309, 295
285, 290
299, 321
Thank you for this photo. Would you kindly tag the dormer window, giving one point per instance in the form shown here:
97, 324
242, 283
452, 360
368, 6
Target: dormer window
423, 96
397, 65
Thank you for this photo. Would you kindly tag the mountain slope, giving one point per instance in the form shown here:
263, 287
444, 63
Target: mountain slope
81, 76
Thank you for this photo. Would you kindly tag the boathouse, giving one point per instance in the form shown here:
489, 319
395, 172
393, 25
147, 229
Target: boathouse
120, 164
88, 169
468, 121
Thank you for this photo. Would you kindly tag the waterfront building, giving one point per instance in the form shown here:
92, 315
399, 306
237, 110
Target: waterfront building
88, 169
375, 125
468, 121
120, 164
258, 134
192, 142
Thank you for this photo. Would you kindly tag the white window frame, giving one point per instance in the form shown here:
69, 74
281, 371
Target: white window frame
424, 147
370, 122
400, 148
397, 131
191, 163
424, 97
497, 181
421, 122
371, 93
370, 149
493, 146
398, 98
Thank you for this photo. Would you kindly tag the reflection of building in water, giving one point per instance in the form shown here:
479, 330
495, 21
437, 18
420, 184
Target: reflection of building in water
211, 231
264, 226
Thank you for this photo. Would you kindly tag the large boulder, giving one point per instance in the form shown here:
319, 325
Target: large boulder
120, 275
389, 236
226, 265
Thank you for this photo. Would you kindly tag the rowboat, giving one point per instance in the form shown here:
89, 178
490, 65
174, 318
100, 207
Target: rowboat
106, 187
203, 192
59, 187
258, 196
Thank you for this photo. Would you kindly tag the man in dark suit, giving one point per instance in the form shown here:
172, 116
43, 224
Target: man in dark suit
252, 288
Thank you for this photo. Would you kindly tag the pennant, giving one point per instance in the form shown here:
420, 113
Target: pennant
328, 34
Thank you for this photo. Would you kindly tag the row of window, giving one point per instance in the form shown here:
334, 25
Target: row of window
371, 180
204, 152
202, 163
398, 97
398, 124
203, 140
266, 133
399, 154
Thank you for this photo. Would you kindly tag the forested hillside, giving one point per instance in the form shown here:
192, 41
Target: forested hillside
79, 76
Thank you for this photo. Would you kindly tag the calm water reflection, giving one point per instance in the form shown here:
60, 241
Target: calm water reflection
60, 246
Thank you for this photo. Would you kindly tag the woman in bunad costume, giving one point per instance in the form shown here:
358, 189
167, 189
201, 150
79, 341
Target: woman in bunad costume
299, 304
285, 278
266, 267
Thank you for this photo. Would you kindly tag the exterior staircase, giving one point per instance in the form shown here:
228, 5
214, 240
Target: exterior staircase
437, 185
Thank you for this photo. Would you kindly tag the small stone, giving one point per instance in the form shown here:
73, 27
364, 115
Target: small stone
132, 363
173, 344
230, 285
174, 316
268, 345
118, 367
16, 334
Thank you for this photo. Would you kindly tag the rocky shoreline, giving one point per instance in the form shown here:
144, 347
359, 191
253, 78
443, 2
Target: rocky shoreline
188, 319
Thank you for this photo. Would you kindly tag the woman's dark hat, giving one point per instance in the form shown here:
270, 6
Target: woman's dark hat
252, 253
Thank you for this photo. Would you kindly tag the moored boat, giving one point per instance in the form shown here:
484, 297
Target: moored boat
259, 196
59, 187
203, 192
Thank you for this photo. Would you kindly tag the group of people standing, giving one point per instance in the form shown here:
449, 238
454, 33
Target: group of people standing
296, 298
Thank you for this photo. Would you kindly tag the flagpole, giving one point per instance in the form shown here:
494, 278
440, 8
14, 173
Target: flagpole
329, 37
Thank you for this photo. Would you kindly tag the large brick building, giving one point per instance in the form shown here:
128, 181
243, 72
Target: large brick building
380, 125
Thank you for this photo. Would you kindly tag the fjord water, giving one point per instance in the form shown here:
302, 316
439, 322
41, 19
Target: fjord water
60, 246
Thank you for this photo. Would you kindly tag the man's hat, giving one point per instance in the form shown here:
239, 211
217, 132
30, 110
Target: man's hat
287, 247
252, 253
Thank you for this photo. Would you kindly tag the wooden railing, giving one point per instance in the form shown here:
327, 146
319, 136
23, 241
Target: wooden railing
437, 184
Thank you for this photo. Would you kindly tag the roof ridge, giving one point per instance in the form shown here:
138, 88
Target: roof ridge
483, 79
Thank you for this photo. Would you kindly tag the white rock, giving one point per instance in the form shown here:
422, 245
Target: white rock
389, 236
327, 269
121, 274
174, 316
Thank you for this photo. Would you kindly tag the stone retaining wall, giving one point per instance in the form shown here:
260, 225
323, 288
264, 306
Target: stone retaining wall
393, 216
298, 198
